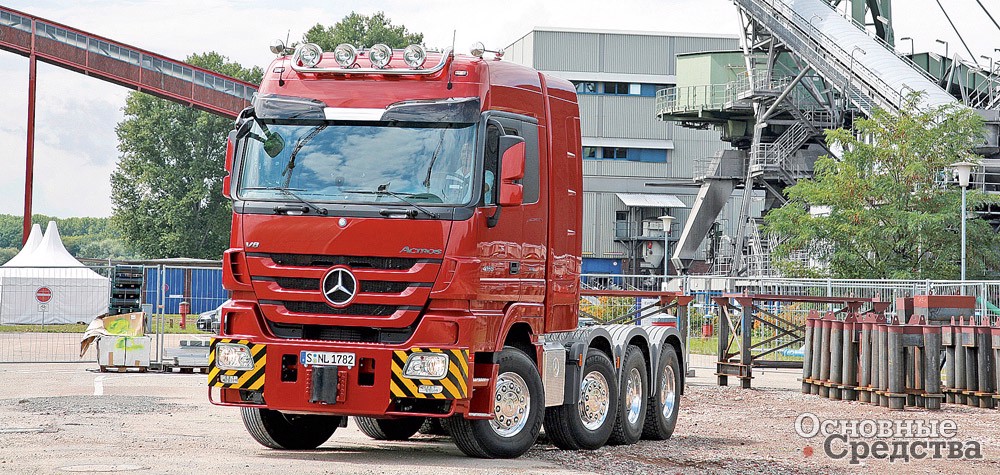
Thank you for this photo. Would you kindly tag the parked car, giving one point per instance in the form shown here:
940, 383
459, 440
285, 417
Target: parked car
209, 321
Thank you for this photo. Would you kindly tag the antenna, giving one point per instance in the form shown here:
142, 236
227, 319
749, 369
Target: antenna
451, 54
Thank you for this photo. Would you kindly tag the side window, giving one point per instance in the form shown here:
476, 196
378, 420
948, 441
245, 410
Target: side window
491, 160
529, 132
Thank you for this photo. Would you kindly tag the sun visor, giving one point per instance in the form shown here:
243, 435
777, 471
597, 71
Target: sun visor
273, 106
464, 110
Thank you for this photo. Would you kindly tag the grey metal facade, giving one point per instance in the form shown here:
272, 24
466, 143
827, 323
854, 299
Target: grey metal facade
627, 121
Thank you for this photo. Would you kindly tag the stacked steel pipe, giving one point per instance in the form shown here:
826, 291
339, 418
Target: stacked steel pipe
897, 362
973, 349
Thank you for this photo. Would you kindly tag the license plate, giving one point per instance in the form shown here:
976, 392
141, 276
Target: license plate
326, 358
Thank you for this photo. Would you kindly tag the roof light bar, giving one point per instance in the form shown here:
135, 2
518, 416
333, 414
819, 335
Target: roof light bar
299, 64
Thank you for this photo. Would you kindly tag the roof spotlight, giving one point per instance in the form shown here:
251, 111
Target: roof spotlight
345, 55
310, 54
380, 55
278, 47
478, 49
414, 56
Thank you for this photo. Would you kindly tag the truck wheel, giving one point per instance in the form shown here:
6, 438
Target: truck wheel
517, 412
389, 429
433, 426
288, 431
633, 399
665, 399
588, 424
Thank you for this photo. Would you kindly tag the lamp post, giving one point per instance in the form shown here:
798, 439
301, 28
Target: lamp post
945, 43
850, 76
964, 170
907, 38
667, 221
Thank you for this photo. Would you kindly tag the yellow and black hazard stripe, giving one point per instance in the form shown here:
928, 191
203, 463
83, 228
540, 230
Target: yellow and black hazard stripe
454, 386
235, 379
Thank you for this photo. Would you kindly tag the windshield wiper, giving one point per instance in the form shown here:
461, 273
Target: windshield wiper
287, 172
289, 192
384, 190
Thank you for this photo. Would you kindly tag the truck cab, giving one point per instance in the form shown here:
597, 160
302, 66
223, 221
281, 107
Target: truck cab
405, 233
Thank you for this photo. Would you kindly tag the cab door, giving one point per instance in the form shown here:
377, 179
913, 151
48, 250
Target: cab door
512, 251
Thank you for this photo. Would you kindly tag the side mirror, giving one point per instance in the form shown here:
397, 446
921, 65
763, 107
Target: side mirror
511, 170
227, 180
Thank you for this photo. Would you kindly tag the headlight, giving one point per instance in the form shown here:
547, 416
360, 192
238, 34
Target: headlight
345, 55
426, 366
233, 356
414, 55
380, 55
310, 54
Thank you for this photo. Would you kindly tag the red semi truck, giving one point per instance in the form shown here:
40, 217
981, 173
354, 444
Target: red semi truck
406, 242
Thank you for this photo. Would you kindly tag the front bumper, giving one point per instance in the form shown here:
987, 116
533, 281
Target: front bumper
373, 386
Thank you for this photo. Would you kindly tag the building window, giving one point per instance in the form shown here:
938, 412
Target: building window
586, 87
616, 88
617, 153
591, 152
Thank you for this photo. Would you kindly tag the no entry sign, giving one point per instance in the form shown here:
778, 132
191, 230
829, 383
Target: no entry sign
43, 295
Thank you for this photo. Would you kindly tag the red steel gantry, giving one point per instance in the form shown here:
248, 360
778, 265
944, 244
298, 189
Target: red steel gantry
112, 61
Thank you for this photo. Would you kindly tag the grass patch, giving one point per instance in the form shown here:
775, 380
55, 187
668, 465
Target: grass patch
710, 346
171, 325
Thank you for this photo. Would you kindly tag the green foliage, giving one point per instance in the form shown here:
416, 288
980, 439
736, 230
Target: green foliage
83, 237
167, 189
890, 215
362, 31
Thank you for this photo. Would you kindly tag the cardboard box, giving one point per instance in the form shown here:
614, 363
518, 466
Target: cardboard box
123, 351
129, 324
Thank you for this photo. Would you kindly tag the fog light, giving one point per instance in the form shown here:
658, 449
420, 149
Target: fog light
414, 56
345, 55
233, 356
380, 55
426, 366
310, 54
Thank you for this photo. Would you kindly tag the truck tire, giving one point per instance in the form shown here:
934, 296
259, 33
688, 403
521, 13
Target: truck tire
588, 424
288, 431
518, 412
433, 426
633, 398
389, 429
665, 400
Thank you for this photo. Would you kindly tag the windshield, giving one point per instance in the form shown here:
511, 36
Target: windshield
425, 164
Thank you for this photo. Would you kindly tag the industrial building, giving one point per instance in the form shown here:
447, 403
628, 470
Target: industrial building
636, 168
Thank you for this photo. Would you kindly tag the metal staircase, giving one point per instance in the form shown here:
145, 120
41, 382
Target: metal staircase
867, 71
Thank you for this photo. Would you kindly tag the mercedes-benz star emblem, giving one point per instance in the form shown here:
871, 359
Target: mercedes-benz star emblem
339, 286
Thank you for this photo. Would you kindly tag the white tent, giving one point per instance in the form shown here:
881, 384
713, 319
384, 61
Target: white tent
45, 284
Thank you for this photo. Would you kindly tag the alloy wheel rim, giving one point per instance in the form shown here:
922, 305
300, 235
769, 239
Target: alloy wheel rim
511, 405
594, 400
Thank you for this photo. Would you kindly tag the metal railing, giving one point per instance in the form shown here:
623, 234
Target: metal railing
32, 331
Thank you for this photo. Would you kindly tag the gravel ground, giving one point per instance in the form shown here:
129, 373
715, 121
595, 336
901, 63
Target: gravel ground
51, 421
734, 430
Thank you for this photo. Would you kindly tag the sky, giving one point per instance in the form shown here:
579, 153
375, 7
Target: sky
75, 141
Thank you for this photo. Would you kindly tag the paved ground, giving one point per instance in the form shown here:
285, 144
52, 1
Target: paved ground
57, 418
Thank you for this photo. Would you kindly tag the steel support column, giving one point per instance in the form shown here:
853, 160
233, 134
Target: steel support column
29, 160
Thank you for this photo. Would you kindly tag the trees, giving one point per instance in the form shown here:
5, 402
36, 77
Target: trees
167, 189
885, 212
83, 237
362, 30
